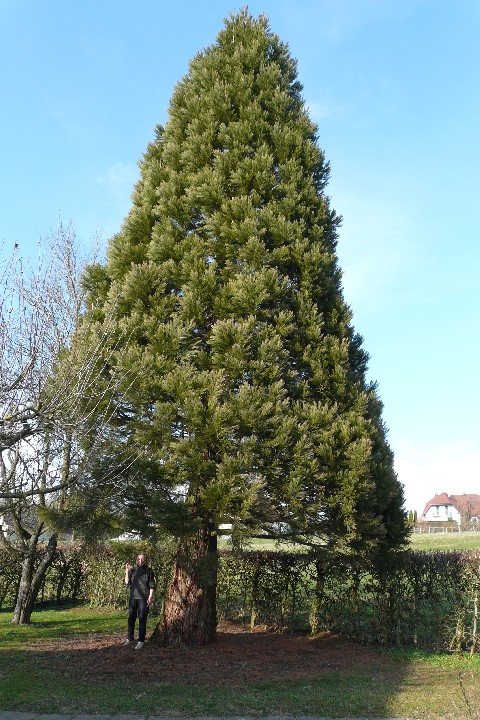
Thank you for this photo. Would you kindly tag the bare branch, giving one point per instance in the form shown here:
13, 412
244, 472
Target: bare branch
47, 404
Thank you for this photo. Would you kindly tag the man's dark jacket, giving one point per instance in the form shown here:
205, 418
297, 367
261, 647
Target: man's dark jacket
141, 581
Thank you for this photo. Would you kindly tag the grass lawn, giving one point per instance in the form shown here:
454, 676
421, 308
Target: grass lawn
35, 676
445, 541
418, 541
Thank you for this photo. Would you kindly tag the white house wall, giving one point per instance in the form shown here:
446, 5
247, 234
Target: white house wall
441, 513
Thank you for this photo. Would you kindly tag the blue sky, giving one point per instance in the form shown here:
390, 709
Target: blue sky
394, 88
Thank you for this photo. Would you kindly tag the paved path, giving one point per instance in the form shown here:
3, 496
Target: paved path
12, 715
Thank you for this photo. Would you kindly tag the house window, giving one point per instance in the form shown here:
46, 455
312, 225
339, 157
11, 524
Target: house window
436, 510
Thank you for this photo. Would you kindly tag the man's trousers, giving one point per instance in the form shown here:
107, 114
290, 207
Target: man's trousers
137, 607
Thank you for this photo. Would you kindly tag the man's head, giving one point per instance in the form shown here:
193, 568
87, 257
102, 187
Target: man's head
141, 559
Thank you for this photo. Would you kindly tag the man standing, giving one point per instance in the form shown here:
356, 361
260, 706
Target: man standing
142, 589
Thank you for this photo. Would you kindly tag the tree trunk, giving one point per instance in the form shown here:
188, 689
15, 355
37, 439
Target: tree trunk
30, 582
190, 614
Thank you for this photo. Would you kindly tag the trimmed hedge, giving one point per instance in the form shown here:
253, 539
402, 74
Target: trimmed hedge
429, 599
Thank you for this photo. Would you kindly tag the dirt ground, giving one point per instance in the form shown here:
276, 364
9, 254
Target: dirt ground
238, 656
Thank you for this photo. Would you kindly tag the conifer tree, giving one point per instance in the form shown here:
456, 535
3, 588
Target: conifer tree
250, 405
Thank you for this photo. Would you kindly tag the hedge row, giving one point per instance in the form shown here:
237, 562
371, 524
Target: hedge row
92, 574
431, 599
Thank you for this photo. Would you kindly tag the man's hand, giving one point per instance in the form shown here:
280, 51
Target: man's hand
128, 567
150, 599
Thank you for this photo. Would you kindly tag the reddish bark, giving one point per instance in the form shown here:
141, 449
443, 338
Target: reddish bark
190, 616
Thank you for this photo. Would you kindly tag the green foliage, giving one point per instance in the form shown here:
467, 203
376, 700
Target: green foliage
63, 581
273, 588
9, 578
245, 398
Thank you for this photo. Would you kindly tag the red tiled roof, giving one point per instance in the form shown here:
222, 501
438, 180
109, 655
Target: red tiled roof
467, 504
442, 499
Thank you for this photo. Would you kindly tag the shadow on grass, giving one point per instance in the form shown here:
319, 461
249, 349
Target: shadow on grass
76, 663
259, 673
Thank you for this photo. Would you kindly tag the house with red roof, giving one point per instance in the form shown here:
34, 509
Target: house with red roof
459, 508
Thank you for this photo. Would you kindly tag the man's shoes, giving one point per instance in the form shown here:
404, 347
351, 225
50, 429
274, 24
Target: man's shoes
128, 642
139, 645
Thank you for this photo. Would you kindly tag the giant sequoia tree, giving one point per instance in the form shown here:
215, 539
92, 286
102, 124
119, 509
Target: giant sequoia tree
251, 404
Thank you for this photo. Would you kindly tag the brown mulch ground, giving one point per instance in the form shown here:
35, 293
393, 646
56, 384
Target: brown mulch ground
238, 656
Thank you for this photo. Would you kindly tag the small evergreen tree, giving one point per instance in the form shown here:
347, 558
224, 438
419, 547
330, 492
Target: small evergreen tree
250, 405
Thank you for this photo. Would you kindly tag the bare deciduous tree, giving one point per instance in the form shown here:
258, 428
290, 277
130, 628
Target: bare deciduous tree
51, 422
